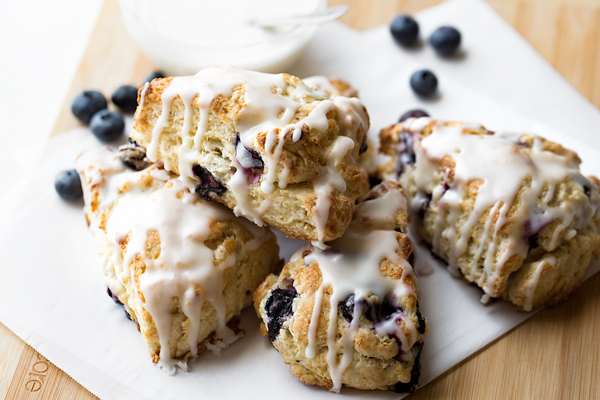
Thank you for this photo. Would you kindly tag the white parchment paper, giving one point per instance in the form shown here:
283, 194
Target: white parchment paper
51, 285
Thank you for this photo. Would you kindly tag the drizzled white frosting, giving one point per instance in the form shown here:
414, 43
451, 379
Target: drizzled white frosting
185, 268
351, 266
496, 161
269, 105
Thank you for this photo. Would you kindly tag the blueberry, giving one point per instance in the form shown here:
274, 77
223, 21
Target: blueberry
420, 321
116, 300
248, 158
279, 308
405, 30
424, 82
347, 308
155, 75
363, 146
406, 152
207, 183
125, 97
445, 40
134, 157
374, 181
380, 311
68, 185
413, 114
415, 374
86, 104
107, 125
423, 201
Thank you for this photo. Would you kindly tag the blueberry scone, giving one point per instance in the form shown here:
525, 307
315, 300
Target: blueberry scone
512, 213
181, 267
270, 147
349, 315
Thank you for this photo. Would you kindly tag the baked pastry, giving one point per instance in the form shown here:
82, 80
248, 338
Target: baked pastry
349, 315
512, 213
331, 86
181, 267
268, 146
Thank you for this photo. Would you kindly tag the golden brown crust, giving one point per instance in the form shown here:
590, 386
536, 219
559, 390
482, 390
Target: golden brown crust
302, 159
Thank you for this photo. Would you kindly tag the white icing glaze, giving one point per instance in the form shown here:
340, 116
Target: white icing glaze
351, 266
530, 292
270, 106
185, 268
495, 160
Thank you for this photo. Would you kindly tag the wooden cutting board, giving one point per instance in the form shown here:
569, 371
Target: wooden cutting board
554, 355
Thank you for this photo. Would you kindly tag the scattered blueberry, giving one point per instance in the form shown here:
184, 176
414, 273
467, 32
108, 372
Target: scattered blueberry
134, 157
405, 30
424, 82
107, 125
445, 40
125, 97
155, 75
207, 183
86, 104
279, 308
413, 114
68, 185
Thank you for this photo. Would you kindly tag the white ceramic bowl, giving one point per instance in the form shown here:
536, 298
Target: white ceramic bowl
184, 36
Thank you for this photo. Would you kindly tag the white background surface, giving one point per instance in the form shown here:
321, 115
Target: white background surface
41, 45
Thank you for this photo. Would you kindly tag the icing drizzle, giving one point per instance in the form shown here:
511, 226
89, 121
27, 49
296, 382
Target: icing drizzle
270, 105
184, 268
495, 160
351, 267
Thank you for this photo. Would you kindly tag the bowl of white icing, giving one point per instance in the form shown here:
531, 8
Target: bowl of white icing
182, 37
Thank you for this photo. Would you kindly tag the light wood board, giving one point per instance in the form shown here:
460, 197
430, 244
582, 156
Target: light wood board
553, 355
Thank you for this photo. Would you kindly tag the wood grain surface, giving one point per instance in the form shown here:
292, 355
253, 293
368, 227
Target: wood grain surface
553, 355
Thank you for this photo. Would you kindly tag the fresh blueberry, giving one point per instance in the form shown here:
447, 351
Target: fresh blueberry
107, 125
424, 82
405, 30
125, 97
207, 183
68, 185
413, 114
155, 75
279, 308
86, 104
445, 40
134, 157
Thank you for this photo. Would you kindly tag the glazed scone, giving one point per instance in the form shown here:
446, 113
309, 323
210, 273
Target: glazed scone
181, 267
268, 146
331, 86
349, 315
510, 212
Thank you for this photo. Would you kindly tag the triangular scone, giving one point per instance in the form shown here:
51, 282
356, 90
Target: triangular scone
268, 146
510, 212
349, 315
181, 267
